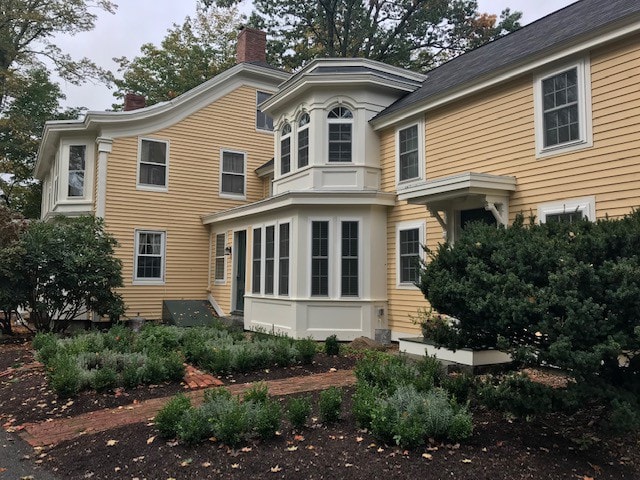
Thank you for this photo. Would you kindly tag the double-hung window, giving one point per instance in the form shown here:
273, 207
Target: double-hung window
303, 140
285, 149
563, 109
232, 181
283, 266
340, 121
153, 163
149, 258
349, 260
408, 154
320, 258
269, 259
409, 241
77, 167
221, 242
256, 260
263, 121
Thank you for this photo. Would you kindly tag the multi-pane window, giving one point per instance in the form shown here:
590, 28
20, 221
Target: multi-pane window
285, 149
349, 261
565, 217
219, 265
153, 163
233, 173
257, 260
269, 260
408, 153
340, 125
560, 108
409, 245
320, 258
77, 165
283, 267
303, 140
149, 255
263, 121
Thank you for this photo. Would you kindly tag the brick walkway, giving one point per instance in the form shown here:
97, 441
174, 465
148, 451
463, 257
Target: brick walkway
194, 378
52, 432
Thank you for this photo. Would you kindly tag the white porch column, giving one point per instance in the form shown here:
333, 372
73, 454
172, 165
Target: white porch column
104, 149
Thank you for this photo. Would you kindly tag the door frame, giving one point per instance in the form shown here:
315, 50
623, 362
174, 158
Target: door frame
239, 259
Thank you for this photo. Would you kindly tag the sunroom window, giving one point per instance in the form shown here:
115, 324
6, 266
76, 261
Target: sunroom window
340, 121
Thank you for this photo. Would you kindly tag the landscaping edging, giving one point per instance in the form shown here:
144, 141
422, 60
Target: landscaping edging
463, 356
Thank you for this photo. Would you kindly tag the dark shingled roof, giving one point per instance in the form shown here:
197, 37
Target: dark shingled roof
562, 28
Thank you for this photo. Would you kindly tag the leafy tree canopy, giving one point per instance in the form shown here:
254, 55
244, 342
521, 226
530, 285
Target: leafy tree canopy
189, 55
417, 34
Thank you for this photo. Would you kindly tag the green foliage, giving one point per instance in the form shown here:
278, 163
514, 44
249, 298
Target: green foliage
233, 424
189, 55
104, 379
213, 395
414, 34
193, 426
332, 346
64, 375
386, 372
167, 419
258, 393
563, 294
298, 411
46, 346
330, 405
307, 349
268, 419
69, 268
460, 386
516, 394
364, 400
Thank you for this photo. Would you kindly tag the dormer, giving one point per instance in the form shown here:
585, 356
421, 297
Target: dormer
323, 140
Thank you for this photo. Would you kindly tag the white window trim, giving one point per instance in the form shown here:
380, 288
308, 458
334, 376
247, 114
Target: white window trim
351, 121
144, 186
255, 120
330, 264
338, 241
281, 138
583, 67
421, 154
149, 281
299, 129
232, 196
85, 171
586, 205
260, 227
223, 280
276, 289
421, 226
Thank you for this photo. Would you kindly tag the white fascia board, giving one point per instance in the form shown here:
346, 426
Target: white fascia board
290, 199
456, 185
498, 77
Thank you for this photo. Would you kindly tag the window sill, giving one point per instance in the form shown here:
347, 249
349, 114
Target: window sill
406, 286
564, 148
404, 184
151, 188
232, 196
148, 281
219, 282
264, 130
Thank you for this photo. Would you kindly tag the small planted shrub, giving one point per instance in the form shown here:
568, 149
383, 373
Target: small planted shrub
516, 394
154, 371
298, 411
330, 405
332, 346
459, 385
233, 424
166, 421
193, 426
217, 395
363, 401
307, 349
386, 372
268, 419
46, 345
65, 375
258, 393
104, 379
173, 366
132, 375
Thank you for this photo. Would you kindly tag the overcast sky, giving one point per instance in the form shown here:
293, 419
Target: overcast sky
142, 21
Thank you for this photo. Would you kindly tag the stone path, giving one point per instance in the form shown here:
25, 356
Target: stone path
52, 432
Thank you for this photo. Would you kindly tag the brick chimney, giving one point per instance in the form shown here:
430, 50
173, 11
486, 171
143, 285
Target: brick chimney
252, 45
133, 101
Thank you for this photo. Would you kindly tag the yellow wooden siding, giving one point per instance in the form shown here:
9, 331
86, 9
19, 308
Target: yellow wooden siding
193, 179
493, 133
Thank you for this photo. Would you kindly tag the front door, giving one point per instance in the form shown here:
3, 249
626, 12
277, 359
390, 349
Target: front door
240, 255
476, 215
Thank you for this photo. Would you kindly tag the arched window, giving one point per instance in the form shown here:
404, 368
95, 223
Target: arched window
303, 140
285, 149
340, 134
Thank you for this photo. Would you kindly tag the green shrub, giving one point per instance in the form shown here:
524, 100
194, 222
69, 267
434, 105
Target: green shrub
460, 427
284, 353
386, 372
105, 378
460, 386
258, 393
132, 375
330, 405
173, 366
268, 419
298, 411
234, 423
332, 346
516, 394
307, 349
64, 376
166, 420
46, 345
193, 426
154, 371
363, 401
242, 358
218, 360
217, 394
430, 373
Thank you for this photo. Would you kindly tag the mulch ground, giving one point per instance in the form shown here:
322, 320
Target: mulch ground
550, 447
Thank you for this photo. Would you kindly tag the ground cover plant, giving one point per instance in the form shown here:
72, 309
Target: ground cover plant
123, 358
560, 294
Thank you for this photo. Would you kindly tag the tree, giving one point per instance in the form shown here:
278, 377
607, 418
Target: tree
559, 294
68, 269
417, 34
34, 100
27, 28
11, 292
188, 56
